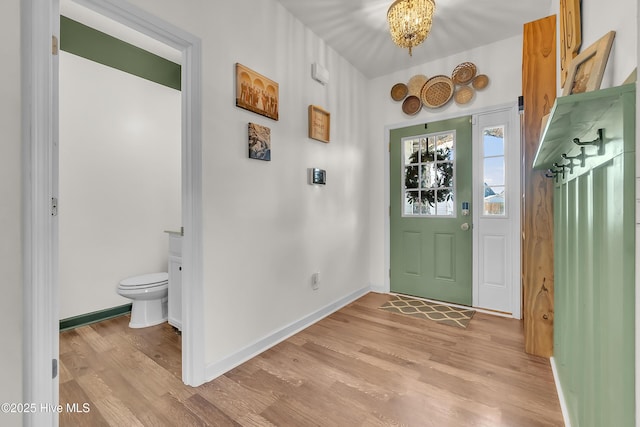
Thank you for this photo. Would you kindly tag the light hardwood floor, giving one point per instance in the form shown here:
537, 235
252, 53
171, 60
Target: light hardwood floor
360, 366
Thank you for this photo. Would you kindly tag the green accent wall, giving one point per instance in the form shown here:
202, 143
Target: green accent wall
96, 316
594, 263
94, 45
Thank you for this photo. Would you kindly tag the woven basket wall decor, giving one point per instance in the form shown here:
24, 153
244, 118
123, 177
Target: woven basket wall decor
411, 105
437, 91
399, 91
464, 95
480, 82
464, 73
415, 84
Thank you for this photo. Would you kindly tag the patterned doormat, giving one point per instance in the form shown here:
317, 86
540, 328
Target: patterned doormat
438, 312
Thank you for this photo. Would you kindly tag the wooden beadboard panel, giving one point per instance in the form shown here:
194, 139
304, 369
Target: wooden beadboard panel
539, 91
594, 210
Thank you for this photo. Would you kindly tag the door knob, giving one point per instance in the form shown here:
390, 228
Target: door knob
465, 226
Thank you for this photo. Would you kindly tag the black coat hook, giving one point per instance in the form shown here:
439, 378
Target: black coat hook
569, 165
580, 157
554, 173
598, 142
561, 171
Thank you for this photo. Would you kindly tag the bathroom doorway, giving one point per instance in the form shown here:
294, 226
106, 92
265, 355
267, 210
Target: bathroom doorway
119, 162
42, 203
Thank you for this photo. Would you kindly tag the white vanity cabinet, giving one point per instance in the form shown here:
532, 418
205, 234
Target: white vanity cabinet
175, 279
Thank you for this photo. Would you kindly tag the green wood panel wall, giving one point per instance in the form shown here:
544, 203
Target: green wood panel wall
594, 215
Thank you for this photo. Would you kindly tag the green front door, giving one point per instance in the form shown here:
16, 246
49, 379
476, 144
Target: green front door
431, 237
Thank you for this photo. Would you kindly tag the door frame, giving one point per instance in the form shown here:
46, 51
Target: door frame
387, 197
39, 22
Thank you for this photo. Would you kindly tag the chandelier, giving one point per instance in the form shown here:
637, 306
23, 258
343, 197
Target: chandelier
410, 21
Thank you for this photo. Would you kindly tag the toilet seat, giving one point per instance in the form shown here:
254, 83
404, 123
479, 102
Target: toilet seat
148, 295
145, 281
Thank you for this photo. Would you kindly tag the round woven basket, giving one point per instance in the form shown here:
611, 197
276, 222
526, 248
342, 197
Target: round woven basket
399, 91
480, 82
437, 91
415, 84
463, 95
464, 73
411, 105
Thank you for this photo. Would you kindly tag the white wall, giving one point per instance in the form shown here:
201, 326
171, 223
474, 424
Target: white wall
119, 181
265, 229
501, 61
598, 18
11, 310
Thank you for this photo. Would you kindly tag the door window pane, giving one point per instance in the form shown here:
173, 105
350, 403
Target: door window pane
494, 142
445, 203
493, 169
494, 203
411, 177
412, 199
411, 150
426, 175
429, 166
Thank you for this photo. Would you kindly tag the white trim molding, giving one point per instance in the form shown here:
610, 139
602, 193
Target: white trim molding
39, 133
379, 289
216, 369
561, 398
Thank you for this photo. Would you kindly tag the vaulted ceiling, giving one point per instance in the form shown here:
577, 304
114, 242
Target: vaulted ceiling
357, 29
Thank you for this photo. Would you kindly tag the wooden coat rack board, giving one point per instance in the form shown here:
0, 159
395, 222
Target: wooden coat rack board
539, 91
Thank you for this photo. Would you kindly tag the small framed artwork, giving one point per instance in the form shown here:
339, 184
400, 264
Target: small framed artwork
259, 142
586, 69
319, 123
255, 92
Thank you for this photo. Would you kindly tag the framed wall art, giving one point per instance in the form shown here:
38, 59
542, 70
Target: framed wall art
256, 93
319, 123
586, 69
259, 142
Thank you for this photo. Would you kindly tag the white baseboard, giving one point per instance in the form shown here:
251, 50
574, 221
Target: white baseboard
380, 289
563, 402
216, 369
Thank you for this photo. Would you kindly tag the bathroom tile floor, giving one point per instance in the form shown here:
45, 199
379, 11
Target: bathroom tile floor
360, 366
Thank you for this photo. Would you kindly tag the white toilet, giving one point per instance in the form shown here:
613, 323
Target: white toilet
149, 295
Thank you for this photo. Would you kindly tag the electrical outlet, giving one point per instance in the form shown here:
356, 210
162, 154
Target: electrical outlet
315, 281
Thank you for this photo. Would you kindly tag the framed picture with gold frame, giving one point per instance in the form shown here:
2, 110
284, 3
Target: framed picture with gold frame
255, 92
587, 69
319, 123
